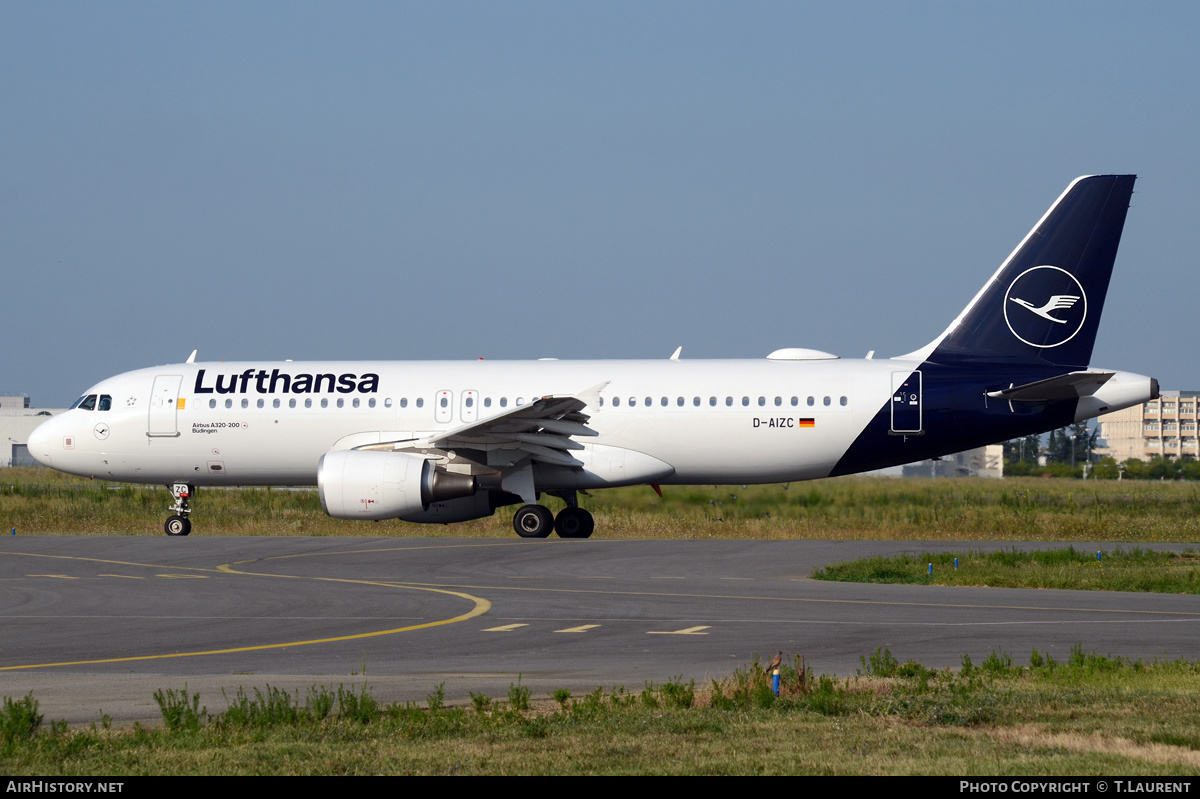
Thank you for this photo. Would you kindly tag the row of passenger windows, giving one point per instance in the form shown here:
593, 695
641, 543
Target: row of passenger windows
712, 401
469, 402
103, 402
356, 402
340, 402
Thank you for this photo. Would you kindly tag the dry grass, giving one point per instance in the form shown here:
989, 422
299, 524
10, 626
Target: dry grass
1031, 736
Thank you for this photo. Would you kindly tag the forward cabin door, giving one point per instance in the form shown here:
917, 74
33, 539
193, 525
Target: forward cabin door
164, 401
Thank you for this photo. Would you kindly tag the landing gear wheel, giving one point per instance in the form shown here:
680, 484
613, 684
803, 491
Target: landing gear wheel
574, 523
533, 521
178, 525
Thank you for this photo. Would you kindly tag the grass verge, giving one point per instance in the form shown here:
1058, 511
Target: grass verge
37, 501
1119, 569
1089, 715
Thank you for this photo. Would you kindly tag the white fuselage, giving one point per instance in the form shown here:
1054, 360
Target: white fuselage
707, 421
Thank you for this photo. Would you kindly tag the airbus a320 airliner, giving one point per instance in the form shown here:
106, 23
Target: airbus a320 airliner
440, 442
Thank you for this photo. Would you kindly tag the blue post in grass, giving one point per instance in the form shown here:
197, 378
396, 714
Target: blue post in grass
930, 569
775, 681
956, 564
1099, 554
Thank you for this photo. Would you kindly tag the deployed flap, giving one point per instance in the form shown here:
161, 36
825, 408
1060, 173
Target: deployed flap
1063, 387
541, 431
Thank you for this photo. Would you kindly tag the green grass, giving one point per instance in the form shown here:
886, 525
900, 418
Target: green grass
43, 502
1089, 715
1119, 569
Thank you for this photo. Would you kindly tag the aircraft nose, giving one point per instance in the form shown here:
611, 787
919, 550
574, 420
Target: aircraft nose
41, 442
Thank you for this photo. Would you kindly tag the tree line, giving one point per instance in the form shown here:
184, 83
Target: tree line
1069, 450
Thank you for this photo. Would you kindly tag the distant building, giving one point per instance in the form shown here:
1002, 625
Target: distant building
979, 462
1165, 426
17, 421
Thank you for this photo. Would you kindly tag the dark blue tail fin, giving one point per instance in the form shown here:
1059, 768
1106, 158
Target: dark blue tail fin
1043, 305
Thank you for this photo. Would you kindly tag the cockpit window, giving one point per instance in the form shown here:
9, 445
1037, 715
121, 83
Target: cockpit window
87, 403
105, 402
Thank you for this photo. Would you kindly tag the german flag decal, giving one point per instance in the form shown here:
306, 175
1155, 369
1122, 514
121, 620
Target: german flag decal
806, 423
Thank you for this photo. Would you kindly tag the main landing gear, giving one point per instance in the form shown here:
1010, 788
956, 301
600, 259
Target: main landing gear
536, 521
179, 524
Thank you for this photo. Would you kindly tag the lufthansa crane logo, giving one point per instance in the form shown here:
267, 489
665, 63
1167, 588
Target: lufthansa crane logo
1045, 306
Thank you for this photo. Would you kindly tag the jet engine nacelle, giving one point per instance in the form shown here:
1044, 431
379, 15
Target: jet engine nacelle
364, 484
476, 506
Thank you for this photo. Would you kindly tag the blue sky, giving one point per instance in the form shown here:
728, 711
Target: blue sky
574, 180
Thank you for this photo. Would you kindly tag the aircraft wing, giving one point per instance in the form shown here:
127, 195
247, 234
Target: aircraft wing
1068, 386
544, 430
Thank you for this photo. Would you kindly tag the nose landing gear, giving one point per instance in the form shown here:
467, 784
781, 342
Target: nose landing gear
179, 524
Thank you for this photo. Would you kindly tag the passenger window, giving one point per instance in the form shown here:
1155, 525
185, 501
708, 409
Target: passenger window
470, 402
387, 403
632, 401
371, 402
324, 402
745, 402
444, 402
600, 401
245, 402
664, 402
292, 402
728, 401
212, 403
520, 400
275, 403
811, 402
679, 402
404, 402
262, 403
616, 402
826, 401
308, 403
795, 401
712, 402
778, 401
649, 401
843, 401
228, 403
105, 402
355, 403
487, 402
504, 402
341, 403
696, 401
420, 402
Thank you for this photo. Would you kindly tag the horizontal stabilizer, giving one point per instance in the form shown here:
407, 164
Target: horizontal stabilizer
1064, 387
